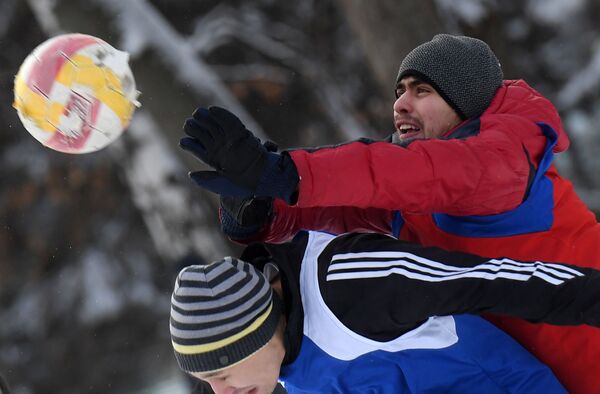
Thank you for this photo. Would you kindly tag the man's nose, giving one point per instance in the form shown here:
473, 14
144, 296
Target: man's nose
403, 103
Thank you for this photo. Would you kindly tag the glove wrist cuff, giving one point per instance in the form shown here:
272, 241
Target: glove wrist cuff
280, 180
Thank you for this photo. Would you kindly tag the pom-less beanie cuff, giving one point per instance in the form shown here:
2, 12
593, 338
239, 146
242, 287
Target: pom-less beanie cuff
235, 352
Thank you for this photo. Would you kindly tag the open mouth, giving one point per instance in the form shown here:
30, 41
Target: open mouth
408, 130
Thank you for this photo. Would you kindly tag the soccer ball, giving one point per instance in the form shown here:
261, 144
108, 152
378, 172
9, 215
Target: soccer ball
75, 93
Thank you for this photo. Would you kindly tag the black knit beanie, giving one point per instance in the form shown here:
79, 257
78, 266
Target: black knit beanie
463, 70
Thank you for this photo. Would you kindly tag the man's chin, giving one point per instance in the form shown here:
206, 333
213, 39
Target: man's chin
413, 135
263, 389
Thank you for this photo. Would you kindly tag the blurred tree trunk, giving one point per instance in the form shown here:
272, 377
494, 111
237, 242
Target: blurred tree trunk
388, 29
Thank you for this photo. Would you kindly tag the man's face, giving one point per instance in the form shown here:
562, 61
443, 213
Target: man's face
257, 374
420, 112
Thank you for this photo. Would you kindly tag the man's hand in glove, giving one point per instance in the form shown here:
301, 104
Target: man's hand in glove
244, 167
244, 219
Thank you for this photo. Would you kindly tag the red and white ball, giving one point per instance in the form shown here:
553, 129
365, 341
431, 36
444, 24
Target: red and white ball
75, 93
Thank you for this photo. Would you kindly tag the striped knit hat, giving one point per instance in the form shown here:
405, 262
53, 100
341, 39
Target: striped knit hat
221, 314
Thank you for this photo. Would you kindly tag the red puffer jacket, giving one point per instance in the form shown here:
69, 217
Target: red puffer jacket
488, 187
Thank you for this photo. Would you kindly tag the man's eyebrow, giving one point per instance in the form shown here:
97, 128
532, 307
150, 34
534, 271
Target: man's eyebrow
411, 83
417, 82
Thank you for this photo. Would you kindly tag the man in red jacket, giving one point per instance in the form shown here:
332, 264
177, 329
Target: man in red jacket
468, 169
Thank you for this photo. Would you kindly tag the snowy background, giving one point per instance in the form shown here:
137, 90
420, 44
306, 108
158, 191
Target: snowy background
90, 244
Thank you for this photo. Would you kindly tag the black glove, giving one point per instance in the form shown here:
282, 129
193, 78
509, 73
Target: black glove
244, 218
244, 167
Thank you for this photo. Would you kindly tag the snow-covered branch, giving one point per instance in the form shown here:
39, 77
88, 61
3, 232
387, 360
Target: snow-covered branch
249, 29
177, 224
581, 83
143, 26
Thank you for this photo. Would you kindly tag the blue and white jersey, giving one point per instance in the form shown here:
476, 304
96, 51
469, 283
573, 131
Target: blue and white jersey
369, 327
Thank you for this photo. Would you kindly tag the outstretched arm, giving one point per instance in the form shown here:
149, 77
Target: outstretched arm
480, 175
268, 220
381, 287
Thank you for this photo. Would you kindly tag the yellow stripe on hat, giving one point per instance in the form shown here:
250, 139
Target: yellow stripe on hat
195, 349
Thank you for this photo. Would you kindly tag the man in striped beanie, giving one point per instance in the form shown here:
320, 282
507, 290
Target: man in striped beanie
369, 313
223, 314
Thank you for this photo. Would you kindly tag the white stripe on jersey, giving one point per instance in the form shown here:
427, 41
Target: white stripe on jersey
420, 268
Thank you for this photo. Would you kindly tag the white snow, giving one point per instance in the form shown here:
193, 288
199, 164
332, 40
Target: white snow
43, 12
140, 20
469, 11
582, 82
174, 226
100, 300
554, 12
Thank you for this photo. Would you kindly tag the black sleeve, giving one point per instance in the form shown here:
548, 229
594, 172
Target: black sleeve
381, 287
